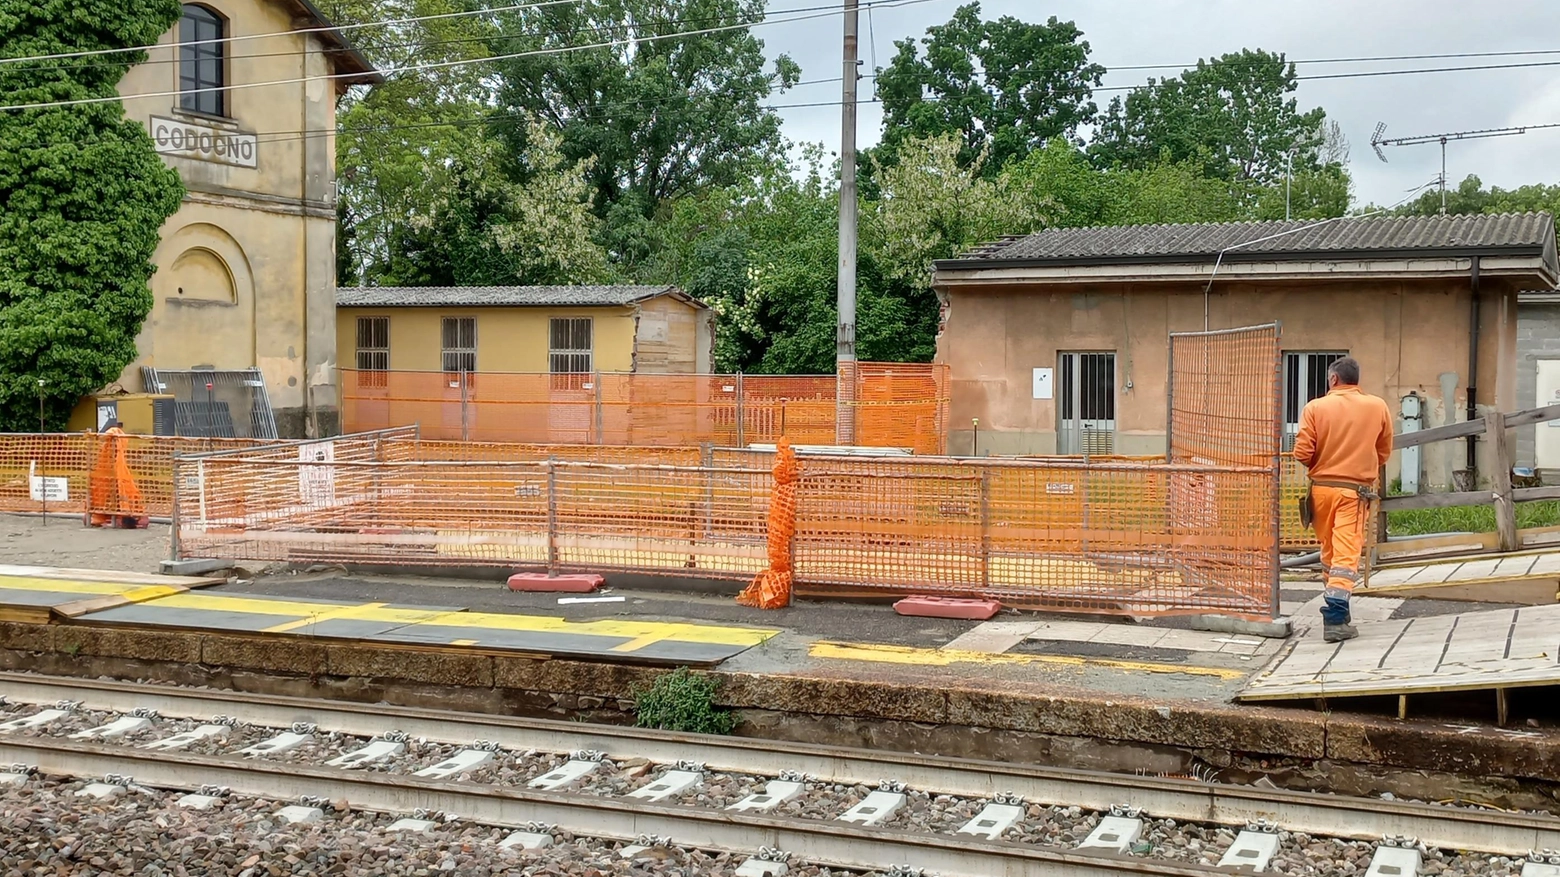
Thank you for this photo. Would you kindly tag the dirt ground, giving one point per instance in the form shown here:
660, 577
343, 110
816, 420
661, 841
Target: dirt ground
59, 541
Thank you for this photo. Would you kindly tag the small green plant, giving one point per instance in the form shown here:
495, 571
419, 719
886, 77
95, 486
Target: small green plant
681, 701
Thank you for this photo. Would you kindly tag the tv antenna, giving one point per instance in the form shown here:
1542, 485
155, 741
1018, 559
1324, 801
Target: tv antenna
1377, 141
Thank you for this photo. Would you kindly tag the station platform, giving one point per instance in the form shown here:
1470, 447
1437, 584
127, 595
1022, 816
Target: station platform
1152, 696
116, 599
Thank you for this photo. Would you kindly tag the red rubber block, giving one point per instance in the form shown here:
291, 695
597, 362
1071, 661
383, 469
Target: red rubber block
948, 607
578, 583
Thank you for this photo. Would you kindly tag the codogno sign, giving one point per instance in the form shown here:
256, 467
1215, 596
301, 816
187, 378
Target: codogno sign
203, 142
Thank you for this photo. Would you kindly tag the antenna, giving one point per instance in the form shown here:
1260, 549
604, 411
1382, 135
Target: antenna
1377, 141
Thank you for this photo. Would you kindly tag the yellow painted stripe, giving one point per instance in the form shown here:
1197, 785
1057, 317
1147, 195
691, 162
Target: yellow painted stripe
632, 630
884, 654
135, 593
343, 612
303, 614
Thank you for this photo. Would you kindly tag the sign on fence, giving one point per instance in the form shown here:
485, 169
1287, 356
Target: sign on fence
48, 489
317, 482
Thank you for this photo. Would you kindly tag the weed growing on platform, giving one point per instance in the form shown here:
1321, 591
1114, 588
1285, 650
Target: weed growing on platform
681, 701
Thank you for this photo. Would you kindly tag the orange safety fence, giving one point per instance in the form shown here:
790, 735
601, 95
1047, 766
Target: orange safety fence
88, 463
896, 405
1139, 537
772, 588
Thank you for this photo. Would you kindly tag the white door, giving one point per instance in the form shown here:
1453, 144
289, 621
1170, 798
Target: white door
1086, 409
1546, 436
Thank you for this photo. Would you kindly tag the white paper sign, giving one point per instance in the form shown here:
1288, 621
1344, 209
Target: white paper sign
1043, 383
49, 489
317, 483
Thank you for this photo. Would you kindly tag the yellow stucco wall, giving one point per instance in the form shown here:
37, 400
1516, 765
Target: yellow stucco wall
246, 268
509, 339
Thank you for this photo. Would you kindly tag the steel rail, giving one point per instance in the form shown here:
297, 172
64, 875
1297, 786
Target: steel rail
834, 844
1182, 800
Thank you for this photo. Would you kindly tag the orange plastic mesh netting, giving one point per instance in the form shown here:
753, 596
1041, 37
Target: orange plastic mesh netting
772, 588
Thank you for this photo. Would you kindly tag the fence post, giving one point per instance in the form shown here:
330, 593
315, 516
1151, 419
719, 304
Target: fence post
173, 515
741, 414
985, 528
552, 516
595, 381
464, 427
1500, 477
707, 463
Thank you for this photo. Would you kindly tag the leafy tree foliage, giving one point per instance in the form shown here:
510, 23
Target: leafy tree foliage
658, 120
1005, 86
82, 196
1236, 116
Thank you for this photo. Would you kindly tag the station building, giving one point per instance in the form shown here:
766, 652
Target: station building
1057, 342
240, 98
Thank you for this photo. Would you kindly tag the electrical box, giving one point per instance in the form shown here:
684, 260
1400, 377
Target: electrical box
141, 413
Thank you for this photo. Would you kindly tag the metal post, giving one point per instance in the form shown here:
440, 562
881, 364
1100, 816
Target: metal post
43, 472
985, 528
464, 424
552, 517
845, 330
595, 381
741, 414
173, 516
707, 462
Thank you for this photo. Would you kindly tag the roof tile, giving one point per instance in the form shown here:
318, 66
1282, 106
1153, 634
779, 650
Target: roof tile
490, 296
1207, 240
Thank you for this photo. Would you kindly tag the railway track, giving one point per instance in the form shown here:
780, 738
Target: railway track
941, 816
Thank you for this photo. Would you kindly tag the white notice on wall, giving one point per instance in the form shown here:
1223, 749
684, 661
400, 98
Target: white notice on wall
1043, 383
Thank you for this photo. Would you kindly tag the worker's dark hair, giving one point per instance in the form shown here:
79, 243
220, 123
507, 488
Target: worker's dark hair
1347, 370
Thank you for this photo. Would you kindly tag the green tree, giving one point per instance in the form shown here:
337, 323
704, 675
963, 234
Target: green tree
660, 117
1236, 115
82, 196
1005, 86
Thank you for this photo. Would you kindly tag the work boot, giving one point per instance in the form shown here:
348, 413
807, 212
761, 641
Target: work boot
1337, 633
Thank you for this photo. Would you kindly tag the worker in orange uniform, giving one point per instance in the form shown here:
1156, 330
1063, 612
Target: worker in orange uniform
1345, 439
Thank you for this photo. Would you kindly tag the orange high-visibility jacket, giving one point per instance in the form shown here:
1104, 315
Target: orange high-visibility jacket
1345, 436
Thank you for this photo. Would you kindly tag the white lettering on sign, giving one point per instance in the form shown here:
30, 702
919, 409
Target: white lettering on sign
203, 142
48, 489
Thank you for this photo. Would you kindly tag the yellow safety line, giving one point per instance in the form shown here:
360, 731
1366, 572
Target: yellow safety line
886, 654
70, 586
304, 614
352, 612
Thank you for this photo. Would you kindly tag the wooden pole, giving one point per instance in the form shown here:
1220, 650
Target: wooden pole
1500, 480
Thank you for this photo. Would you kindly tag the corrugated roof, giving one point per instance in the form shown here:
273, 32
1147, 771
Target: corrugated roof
1297, 238
500, 296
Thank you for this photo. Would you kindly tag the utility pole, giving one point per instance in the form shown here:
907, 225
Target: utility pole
845, 331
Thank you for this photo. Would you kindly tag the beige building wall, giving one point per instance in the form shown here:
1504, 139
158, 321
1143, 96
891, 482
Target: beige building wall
246, 268
662, 335
1409, 335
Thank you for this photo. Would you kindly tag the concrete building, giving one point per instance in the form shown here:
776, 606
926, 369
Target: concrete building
240, 99
527, 329
1538, 378
1058, 342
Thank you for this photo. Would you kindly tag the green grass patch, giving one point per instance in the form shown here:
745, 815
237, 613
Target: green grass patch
1470, 519
682, 701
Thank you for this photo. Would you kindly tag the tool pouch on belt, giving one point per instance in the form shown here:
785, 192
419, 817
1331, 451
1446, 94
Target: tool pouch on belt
1307, 511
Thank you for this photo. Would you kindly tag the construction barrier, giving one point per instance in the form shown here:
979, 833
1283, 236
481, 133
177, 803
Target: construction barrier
891, 405
79, 471
1081, 536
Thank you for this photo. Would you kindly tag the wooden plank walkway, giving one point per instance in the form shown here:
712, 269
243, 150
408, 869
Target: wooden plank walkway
1492, 649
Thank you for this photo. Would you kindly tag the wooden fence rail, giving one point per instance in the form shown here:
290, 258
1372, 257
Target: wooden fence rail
1496, 428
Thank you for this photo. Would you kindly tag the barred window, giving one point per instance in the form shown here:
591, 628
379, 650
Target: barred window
460, 344
202, 61
373, 344
570, 351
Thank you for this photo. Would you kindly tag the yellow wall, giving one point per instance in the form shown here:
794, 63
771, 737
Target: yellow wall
246, 268
509, 339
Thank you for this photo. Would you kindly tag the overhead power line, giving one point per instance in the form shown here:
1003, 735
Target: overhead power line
1356, 60
439, 65
88, 53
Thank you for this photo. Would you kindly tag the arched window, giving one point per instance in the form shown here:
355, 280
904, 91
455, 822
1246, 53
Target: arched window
202, 62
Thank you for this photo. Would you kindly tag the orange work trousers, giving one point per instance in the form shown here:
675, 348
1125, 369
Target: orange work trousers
1339, 515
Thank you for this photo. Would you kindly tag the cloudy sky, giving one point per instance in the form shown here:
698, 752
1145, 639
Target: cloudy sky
1178, 32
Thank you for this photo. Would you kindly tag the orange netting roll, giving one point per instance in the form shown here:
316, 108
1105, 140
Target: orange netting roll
772, 588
